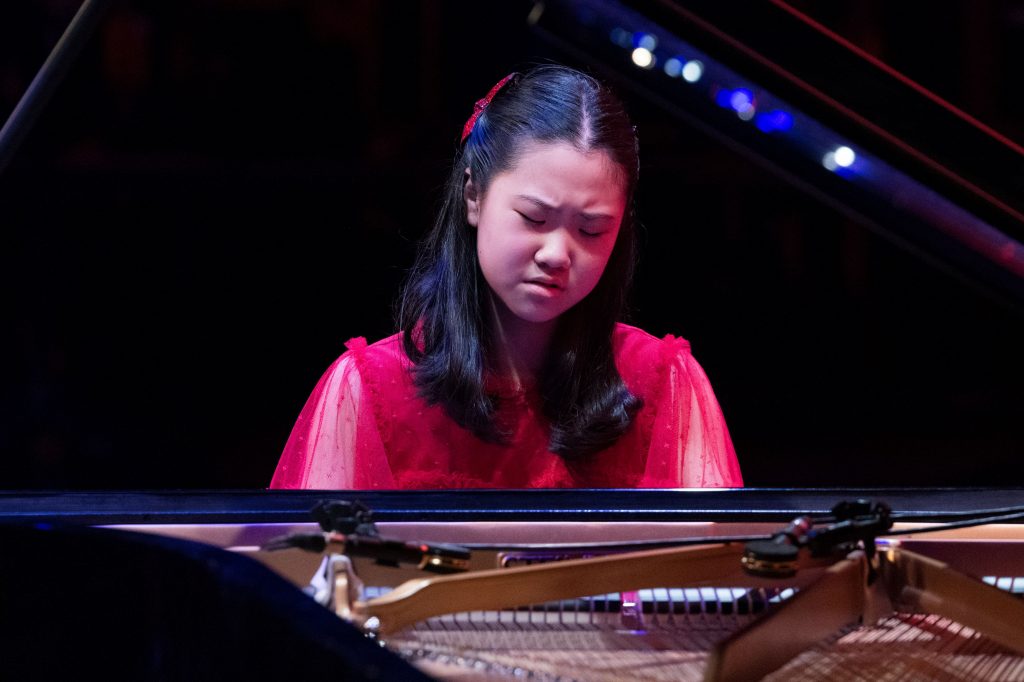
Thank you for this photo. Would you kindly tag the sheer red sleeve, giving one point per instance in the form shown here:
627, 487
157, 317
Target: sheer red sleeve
690, 443
335, 443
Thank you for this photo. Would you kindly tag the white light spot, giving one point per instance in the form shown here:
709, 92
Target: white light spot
692, 71
829, 161
673, 67
643, 58
845, 157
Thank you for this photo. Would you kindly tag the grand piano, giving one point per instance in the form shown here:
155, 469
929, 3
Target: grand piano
215, 584
544, 584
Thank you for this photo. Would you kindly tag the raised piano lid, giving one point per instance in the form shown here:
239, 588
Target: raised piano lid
779, 87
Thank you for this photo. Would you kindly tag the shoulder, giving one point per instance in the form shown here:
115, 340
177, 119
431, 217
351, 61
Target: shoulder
634, 345
645, 362
391, 345
378, 358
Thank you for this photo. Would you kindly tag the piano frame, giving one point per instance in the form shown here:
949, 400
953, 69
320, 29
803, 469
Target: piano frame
939, 571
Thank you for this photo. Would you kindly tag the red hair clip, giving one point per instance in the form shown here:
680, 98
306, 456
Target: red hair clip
481, 104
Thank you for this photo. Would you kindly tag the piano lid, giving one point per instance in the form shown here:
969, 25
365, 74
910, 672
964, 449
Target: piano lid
592, 506
774, 84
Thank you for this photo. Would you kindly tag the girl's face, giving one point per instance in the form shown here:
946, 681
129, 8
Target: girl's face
546, 228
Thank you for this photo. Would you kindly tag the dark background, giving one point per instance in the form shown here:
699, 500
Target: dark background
220, 193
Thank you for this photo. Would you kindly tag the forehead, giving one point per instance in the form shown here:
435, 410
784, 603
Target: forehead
556, 168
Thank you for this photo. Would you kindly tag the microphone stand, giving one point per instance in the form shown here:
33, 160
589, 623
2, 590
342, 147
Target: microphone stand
349, 529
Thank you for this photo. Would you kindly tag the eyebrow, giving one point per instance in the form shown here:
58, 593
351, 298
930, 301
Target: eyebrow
545, 205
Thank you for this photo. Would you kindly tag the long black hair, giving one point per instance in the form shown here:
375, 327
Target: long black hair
443, 307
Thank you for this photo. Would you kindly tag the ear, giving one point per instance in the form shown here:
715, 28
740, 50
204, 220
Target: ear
471, 195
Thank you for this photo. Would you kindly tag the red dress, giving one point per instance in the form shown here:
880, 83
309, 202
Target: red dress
364, 427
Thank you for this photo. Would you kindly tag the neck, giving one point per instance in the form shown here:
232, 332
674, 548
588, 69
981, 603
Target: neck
521, 347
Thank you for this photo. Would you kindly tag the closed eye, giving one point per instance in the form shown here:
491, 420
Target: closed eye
530, 220
587, 233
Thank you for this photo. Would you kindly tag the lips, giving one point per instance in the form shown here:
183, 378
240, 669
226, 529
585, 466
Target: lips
545, 282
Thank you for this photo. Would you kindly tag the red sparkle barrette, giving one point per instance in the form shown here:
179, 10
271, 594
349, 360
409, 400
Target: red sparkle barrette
481, 104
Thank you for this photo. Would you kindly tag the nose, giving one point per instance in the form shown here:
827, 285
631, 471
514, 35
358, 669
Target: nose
554, 252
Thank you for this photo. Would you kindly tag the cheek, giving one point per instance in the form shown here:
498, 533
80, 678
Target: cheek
589, 273
500, 243
595, 272
493, 253
598, 261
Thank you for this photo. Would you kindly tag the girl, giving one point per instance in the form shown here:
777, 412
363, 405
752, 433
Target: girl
512, 369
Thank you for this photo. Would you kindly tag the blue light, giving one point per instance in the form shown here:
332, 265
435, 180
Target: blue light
621, 37
645, 40
673, 67
772, 121
741, 99
723, 98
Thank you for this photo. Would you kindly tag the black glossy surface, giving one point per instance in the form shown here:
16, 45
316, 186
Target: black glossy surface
103, 604
257, 506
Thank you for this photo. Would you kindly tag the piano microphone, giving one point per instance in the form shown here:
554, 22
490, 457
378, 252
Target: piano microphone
432, 557
852, 524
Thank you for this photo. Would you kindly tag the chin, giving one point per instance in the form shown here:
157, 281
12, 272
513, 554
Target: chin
528, 311
535, 317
